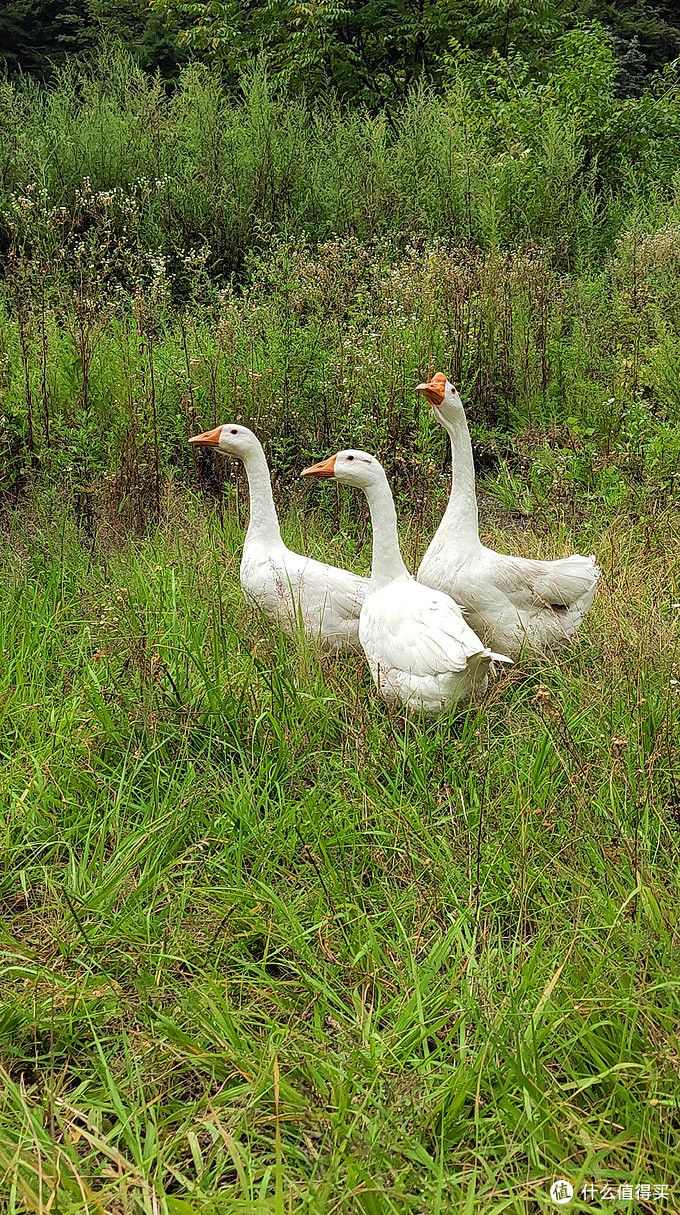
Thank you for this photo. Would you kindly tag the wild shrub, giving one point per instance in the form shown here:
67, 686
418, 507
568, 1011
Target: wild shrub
501, 157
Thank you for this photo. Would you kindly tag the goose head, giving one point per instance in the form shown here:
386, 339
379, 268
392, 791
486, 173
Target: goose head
231, 440
351, 467
443, 397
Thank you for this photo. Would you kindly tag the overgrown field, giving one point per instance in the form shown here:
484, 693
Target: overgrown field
267, 947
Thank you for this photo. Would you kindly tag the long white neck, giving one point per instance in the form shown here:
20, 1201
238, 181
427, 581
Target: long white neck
387, 563
263, 524
460, 522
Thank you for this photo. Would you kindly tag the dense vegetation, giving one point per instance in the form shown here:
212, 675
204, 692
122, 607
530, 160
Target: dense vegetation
264, 946
366, 51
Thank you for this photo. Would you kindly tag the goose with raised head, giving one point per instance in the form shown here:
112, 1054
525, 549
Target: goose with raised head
288, 588
514, 603
420, 651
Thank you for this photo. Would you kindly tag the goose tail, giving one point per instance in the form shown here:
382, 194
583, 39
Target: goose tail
500, 658
478, 665
482, 663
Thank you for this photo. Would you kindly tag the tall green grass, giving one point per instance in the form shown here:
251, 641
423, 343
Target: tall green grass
492, 161
267, 948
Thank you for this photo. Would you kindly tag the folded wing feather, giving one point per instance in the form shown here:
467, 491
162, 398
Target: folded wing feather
559, 583
422, 634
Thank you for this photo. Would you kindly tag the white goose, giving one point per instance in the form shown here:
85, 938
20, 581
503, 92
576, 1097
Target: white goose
420, 651
513, 603
288, 588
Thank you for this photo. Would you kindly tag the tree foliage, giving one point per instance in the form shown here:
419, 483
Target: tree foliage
373, 51
37, 36
367, 51
32, 32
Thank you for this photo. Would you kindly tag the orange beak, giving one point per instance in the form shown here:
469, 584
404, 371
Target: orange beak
325, 469
434, 390
210, 438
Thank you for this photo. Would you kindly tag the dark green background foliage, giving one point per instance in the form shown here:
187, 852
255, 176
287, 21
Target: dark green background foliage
37, 36
370, 51
500, 156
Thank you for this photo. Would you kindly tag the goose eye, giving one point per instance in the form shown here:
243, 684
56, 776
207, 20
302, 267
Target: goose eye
234, 432
350, 457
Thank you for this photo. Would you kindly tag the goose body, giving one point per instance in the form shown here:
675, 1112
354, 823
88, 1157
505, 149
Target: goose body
513, 603
291, 590
420, 651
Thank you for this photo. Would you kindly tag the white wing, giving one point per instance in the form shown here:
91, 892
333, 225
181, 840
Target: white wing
411, 628
342, 591
555, 583
286, 585
565, 582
